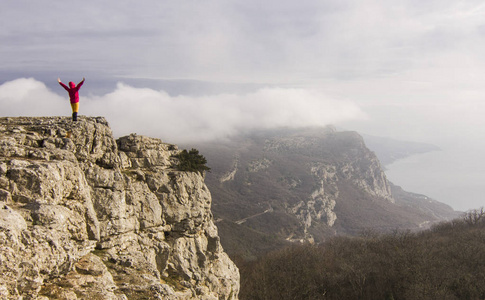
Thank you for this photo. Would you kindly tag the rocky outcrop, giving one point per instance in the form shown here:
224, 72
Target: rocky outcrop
320, 204
230, 175
351, 162
85, 216
306, 184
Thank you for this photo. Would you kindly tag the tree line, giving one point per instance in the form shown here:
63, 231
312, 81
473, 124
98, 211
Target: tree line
444, 262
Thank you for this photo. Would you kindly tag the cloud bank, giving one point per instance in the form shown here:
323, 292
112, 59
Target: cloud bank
183, 119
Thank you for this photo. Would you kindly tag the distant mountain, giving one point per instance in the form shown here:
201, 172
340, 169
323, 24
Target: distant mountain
271, 188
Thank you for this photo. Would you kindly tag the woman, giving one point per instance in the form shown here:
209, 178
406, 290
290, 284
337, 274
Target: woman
73, 91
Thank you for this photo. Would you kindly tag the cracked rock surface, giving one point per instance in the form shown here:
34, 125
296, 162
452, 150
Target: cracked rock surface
85, 216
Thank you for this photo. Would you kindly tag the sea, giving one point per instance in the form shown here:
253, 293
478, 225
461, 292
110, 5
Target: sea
454, 175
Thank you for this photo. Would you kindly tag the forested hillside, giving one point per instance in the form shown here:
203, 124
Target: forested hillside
444, 262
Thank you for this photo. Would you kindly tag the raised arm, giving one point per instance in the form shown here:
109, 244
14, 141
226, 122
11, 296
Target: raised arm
80, 83
62, 84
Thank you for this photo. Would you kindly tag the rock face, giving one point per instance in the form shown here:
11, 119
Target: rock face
85, 216
274, 187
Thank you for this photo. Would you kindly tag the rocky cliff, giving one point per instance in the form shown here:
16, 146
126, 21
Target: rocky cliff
274, 187
85, 216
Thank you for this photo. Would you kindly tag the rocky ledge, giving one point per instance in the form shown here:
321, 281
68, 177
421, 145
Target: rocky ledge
85, 216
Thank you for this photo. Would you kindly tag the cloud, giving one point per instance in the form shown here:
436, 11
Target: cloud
183, 118
29, 97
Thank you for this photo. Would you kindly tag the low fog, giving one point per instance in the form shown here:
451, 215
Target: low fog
182, 119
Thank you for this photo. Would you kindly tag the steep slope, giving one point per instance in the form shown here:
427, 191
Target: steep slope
83, 216
280, 186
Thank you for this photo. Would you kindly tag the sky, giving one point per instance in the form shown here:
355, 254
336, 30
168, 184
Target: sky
190, 70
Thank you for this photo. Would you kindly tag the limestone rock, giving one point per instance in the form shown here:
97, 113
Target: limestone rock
85, 216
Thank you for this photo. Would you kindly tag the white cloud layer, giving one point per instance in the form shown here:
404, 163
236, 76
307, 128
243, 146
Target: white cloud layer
29, 97
183, 118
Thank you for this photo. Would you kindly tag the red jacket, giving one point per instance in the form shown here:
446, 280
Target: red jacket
73, 90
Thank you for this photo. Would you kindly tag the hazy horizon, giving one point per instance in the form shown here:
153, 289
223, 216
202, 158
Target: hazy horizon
183, 70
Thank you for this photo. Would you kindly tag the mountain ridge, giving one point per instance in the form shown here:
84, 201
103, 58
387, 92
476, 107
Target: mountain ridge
305, 185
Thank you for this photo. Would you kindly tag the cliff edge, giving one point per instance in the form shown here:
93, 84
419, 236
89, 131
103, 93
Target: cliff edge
85, 216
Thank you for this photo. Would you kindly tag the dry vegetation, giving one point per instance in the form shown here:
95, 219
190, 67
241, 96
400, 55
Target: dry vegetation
445, 262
